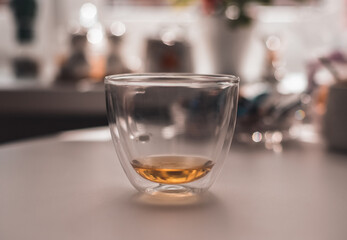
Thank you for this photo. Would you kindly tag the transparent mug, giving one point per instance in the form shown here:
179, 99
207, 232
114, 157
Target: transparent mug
171, 131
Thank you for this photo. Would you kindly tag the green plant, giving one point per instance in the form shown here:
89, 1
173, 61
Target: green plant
235, 11
237, 8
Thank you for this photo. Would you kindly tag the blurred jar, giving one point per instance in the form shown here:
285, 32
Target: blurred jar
335, 118
169, 51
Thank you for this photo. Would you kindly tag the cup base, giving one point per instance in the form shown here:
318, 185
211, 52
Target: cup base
171, 195
171, 190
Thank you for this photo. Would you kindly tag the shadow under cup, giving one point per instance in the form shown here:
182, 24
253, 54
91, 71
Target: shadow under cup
171, 132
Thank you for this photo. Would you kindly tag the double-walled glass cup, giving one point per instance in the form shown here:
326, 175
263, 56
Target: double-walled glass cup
171, 132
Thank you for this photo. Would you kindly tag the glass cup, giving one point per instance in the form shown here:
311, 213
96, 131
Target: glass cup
171, 131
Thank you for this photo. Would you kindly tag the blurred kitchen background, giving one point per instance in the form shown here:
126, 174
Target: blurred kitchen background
54, 55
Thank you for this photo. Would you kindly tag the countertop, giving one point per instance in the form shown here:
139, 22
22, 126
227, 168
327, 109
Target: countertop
27, 98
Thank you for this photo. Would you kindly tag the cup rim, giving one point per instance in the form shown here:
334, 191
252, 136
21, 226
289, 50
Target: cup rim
170, 78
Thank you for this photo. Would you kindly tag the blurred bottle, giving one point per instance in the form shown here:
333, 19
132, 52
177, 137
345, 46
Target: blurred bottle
76, 67
25, 62
115, 64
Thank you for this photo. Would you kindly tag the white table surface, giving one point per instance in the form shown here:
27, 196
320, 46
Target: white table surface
71, 186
